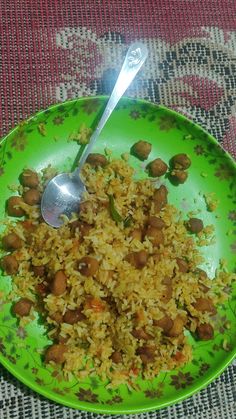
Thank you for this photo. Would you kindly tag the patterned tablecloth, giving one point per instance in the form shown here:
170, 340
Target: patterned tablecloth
52, 50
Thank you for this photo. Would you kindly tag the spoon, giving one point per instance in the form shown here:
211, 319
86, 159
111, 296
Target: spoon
64, 192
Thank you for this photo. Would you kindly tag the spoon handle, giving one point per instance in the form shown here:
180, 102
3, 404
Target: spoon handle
134, 59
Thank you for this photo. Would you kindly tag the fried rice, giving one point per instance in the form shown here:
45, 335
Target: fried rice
122, 306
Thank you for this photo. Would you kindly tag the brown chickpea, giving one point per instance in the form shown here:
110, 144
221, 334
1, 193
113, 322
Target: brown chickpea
59, 283
73, 316
12, 242
141, 149
146, 353
204, 305
56, 353
39, 270
205, 331
32, 197
157, 168
88, 266
177, 328
178, 176
13, 206
9, 264
194, 225
141, 334
155, 235
22, 307
137, 259
116, 357
165, 323
96, 159
180, 161
182, 265
156, 222
57, 317
42, 289
29, 178
160, 198
83, 227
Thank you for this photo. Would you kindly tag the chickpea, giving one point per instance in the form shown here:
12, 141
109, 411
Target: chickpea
137, 259
22, 307
12, 242
177, 328
73, 316
205, 331
180, 161
83, 227
39, 270
204, 305
9, 264
160, 198
156, 222
194, 225
146, 353
28, 226
116, 357
57, 317
182, 265
141, 149
136, 234
155, 235
141, 334
32, 197
29, 178
178, 176
96, 159
13, 206
157, 168
42, 289
56, 353
165, 323
59, 283
88, 266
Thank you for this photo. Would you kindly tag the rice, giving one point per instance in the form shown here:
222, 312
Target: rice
130, 298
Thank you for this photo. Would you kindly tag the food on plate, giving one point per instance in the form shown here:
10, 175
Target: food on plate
29, 178
141, 149
178, 176
195, 225
31, 196
180, 162
121, 284
178, 165
14, 208
96, 159
157, 168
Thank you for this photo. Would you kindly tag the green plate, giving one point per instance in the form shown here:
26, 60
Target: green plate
47, 138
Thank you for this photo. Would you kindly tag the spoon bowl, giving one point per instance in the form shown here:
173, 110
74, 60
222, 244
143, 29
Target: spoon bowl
64, 192
62, 196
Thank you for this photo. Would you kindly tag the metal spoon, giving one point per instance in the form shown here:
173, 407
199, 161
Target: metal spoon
64, 192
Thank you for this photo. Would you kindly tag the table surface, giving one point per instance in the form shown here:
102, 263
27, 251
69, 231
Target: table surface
53, 50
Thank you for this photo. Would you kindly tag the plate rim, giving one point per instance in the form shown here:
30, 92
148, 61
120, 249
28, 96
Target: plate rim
152, 405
